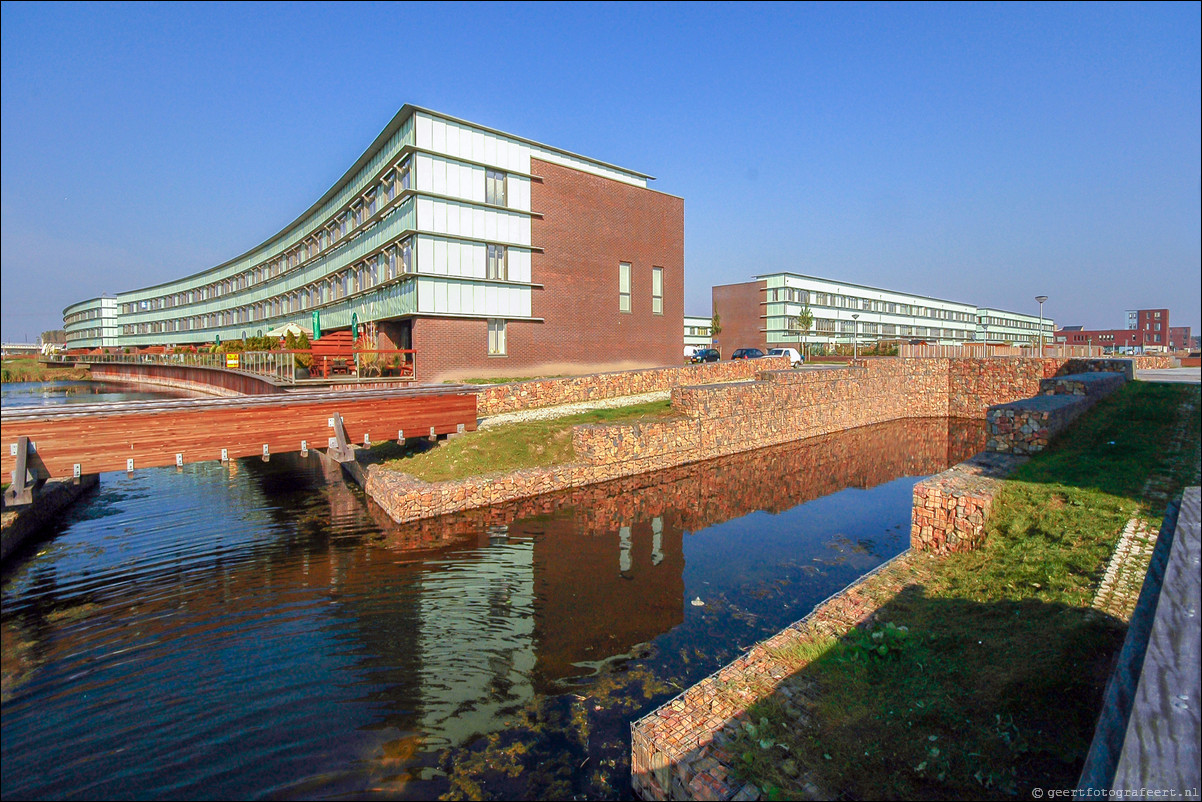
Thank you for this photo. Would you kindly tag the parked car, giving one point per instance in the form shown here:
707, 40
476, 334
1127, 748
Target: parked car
747, 353
705, 355
795, 358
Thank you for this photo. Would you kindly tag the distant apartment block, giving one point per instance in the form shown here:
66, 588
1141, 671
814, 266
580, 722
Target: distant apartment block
488, 253
1148, 331
697, 331
763, 313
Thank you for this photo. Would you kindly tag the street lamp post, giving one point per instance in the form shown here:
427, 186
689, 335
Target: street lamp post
985, 346
1041, 299
855, 337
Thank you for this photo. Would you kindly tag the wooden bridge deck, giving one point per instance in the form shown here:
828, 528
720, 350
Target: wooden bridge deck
103, 437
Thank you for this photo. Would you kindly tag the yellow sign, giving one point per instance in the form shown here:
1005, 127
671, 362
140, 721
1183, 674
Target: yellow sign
231, 361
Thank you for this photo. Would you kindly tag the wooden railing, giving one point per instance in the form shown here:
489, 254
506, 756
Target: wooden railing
277, 365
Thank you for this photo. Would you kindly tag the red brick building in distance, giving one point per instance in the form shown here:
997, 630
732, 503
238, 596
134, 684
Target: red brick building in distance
1147, 331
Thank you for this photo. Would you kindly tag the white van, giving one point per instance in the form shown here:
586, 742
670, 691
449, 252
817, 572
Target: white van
794, 358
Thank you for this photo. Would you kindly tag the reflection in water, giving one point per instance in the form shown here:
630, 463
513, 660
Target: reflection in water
38, 394
258, 630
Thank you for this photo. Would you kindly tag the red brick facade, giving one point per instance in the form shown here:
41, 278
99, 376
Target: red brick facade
584, 227
589, 225
1152, 332
740, 311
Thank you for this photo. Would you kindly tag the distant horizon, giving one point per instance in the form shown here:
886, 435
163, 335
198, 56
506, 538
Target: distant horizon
982, 152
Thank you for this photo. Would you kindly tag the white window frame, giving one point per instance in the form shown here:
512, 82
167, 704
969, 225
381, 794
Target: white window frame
497, 263
624, 280
496, 337
494, 187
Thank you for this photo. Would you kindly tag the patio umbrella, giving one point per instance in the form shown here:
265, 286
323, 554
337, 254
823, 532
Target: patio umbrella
289, 328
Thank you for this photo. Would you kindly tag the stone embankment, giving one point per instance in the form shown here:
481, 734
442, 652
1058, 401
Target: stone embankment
951, 508
535, 393
717, 419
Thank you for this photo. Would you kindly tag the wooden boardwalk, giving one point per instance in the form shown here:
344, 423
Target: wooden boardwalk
104, 437
1161, 748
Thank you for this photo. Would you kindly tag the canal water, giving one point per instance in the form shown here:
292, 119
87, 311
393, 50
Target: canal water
261, 630
37, 394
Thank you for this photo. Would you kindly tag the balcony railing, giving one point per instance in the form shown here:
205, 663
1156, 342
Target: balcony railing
282, 367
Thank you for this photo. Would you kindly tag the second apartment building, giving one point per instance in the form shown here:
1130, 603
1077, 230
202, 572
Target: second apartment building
763, 314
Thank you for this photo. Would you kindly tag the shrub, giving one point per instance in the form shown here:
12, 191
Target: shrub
303, 344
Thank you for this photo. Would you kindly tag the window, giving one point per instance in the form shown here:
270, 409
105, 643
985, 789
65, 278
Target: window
657, 290
494, 187
497, 262
624, 287
407, 254
403, 175
496, 337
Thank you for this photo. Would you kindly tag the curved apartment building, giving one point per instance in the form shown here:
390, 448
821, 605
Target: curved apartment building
487, 253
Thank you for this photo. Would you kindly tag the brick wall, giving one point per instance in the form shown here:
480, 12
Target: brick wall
740, 315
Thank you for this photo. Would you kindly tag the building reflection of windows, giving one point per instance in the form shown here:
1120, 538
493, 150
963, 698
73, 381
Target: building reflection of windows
624, 543
657, 540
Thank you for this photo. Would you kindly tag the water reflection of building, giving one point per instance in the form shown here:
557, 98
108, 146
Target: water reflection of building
603, 589
476, 641
608, 559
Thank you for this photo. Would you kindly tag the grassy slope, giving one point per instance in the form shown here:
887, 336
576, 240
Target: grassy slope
508, 448
994, 686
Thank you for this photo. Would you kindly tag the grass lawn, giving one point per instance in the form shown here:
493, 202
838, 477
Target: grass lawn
983, 678
506, 448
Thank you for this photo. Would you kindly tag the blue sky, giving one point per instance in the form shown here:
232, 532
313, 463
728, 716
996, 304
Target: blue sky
975, 152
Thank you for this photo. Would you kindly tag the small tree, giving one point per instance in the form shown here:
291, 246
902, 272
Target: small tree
805, 321
303, 344
715, 330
